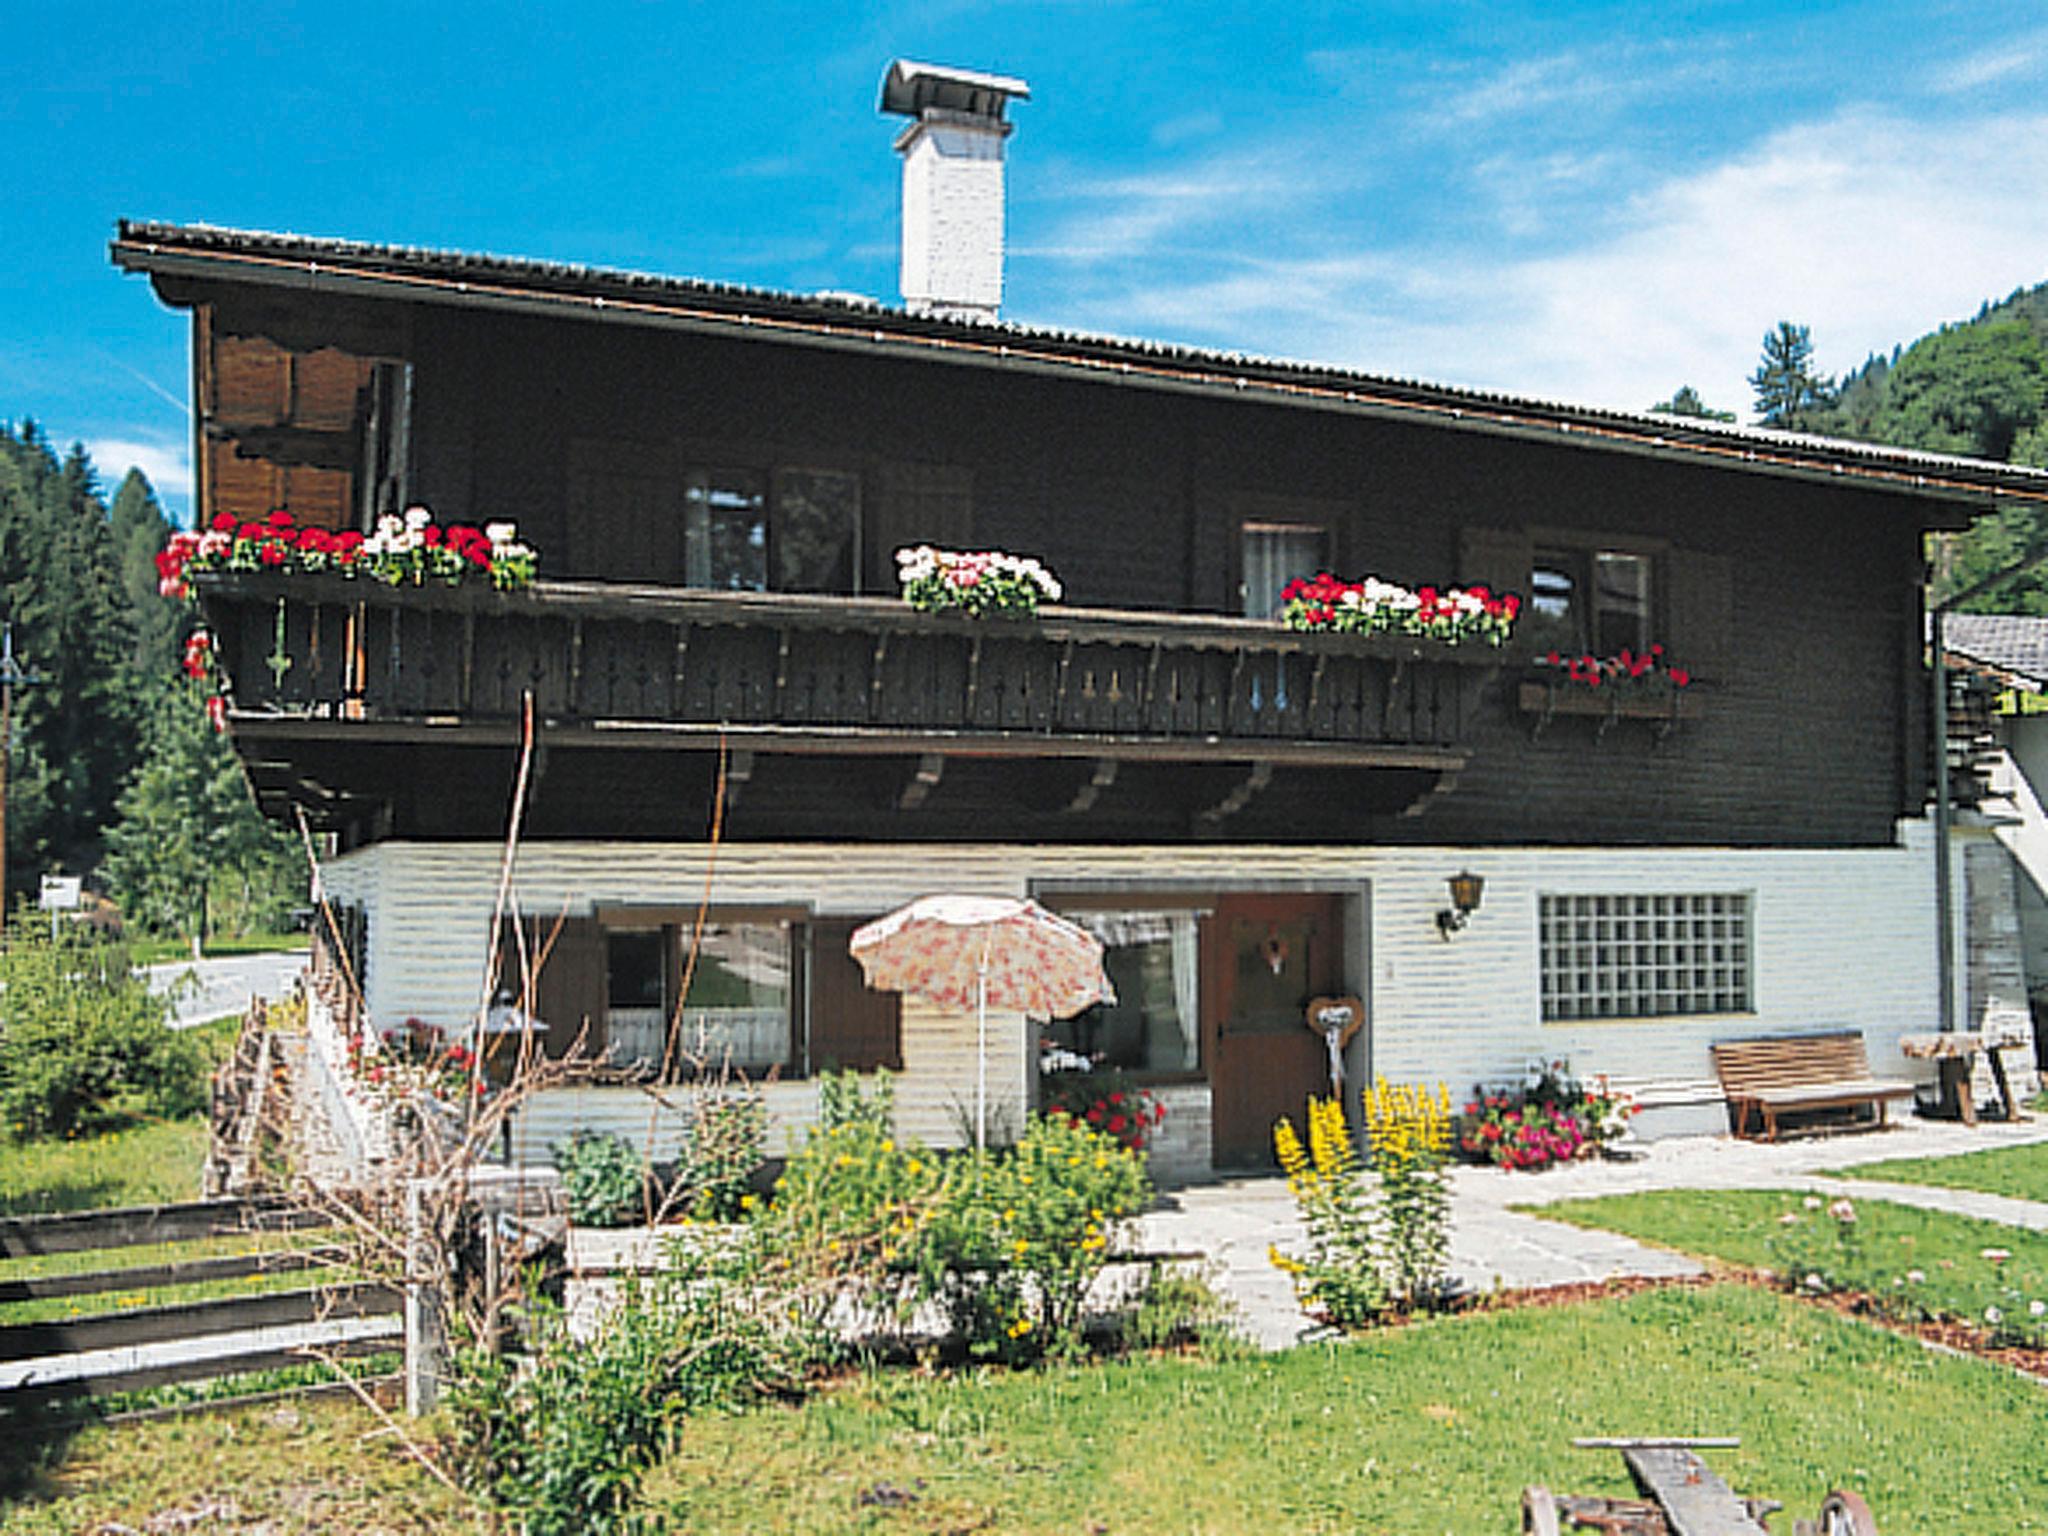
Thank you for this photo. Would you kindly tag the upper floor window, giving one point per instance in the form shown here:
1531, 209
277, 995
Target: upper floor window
1590, 600
789, 530
1272, 555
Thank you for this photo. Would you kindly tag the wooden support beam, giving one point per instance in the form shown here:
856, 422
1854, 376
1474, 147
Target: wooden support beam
931, 767
739, 771
1260, 776
1086, 796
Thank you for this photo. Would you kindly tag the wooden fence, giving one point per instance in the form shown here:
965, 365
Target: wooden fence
41, 1361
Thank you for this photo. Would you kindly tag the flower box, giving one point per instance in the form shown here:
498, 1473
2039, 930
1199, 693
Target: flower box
1666, 706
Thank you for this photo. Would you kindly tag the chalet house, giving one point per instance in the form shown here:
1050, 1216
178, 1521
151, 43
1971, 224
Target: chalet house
739, 715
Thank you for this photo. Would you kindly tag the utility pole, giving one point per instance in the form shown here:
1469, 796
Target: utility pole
12, 675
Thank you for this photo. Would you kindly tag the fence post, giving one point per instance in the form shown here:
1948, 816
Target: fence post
426, 1342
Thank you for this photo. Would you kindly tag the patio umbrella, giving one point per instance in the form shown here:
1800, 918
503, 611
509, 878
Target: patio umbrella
1000, 950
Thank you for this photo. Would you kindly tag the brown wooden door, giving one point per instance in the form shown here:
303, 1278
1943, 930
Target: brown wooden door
1263, 958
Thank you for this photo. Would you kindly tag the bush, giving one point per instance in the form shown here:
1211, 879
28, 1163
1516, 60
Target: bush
1551, 1117
561, 1443
604, 1181
725, 1148
1371, 1249
81, 1030
1107, 1101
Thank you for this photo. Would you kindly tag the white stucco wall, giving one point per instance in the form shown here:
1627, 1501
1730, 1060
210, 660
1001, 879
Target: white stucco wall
1842, 939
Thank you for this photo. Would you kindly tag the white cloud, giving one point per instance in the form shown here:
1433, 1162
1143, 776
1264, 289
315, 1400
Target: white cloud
1870, 229
2012, 58
168, 464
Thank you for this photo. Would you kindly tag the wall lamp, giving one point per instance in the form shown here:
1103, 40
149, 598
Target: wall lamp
1466, 889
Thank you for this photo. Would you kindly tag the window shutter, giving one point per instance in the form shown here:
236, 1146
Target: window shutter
570, 985
1699, 602
917, 504
852, 1027
1499, 558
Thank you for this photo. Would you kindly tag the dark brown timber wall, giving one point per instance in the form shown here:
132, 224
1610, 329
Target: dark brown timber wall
1795, 603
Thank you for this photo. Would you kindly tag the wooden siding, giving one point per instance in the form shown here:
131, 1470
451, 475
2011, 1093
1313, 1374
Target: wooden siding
1842, 939
1794, 602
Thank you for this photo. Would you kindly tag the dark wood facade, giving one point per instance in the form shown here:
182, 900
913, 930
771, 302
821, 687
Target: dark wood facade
1792, 592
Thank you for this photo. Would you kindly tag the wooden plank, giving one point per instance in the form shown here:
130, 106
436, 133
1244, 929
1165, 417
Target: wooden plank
157, 1325
131, 1226
240, 1363
1695, 1499
145, 1277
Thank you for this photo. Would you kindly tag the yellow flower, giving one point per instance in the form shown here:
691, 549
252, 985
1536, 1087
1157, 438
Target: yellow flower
1020, 1247
887, 1145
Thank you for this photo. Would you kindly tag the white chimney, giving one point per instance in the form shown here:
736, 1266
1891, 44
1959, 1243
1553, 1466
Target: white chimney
952, 186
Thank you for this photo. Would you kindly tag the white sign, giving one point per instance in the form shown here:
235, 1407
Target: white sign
61, 893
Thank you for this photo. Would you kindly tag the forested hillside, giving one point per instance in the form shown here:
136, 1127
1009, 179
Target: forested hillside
113, 772
1978, 387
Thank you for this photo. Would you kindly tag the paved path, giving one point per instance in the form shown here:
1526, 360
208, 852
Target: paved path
206, 989
1493, 1246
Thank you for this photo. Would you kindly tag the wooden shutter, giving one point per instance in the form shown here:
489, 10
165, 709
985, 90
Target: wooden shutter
916, 504
1499, 558
852, 1027
1698, 619
625, 512
570, 985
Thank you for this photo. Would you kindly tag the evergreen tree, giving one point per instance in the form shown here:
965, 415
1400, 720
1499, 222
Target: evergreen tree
190, 839
140, 530
1789, 393
1687, 402
1970, 389
76, 731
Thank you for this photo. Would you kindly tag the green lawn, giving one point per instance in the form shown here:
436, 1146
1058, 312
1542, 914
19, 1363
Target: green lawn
1412, 1432
162, 951
2019, 1173
147, 1164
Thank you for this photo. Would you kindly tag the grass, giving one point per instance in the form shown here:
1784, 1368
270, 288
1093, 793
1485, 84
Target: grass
1890, 1245
1412, 1432
1419, 1430
2018, 1173
286, 1468
151, 1163
164, 951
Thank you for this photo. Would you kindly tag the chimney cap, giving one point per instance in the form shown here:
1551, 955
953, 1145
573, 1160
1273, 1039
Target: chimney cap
909, 88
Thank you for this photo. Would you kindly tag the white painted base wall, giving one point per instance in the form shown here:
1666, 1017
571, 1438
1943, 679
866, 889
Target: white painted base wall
1842, 939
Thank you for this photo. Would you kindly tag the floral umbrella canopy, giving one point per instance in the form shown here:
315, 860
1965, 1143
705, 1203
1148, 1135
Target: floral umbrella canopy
1000, 950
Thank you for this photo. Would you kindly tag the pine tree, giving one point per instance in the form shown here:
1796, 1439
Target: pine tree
1789, 393
189, 833
139, 529
1687, 402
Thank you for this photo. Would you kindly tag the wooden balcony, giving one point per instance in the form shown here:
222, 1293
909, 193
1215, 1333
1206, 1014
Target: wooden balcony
765, 673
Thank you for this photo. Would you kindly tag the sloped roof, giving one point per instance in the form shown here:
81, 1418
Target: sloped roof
2010, 643
418, 274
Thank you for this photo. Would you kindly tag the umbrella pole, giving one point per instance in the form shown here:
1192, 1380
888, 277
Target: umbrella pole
981, 1056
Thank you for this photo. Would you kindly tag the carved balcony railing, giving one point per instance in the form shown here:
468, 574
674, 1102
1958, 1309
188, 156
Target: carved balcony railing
1071, 681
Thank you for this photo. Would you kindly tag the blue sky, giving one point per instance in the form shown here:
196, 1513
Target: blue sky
1585, 202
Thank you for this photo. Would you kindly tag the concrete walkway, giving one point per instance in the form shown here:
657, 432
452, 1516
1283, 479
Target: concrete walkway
1494, 1247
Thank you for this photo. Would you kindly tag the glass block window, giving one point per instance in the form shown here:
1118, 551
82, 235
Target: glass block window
1626, 957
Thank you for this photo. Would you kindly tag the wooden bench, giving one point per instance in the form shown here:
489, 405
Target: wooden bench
1765, 1078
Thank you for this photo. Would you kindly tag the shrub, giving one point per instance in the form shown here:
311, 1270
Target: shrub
723, 1152
1371, 1249
561, 1443
1020, 1235
603, 1179
1339, 1277
1551, 1117
1109, 1103
1408, 1131
81, 1030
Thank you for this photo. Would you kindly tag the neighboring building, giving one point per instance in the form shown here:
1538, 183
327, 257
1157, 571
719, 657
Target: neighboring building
2005, 847
717, 478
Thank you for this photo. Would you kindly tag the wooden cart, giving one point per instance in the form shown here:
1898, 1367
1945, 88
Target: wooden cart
1682, 1496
